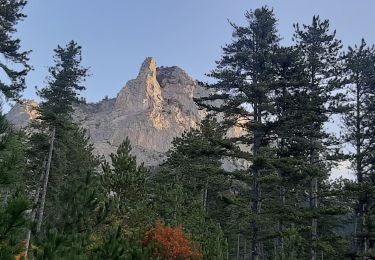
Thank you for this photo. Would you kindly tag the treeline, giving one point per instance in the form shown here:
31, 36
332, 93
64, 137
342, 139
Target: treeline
263, 194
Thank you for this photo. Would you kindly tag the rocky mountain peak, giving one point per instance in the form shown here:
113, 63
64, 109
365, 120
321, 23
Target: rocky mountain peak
148, 68
151, 110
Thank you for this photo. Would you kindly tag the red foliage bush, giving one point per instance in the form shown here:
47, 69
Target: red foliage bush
171, 243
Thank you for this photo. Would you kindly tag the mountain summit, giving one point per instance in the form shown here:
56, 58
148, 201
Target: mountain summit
151, 110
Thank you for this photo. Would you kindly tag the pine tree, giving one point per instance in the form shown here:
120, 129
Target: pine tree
10, 48
245, 75
285, 201
359, 121
319, 49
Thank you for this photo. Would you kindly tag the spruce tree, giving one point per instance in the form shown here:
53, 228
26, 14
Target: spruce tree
13, 84
292, 128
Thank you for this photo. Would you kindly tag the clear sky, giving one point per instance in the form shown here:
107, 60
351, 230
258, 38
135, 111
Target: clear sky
116, 35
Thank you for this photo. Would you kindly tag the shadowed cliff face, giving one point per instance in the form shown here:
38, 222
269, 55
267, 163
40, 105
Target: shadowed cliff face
151, 110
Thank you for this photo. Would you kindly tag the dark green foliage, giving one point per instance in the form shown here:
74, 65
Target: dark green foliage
13, 202
13, 223
116, 246
12, 157
283, 97
70, 160
359, 118
10, 48
123, 176
317, 101
75, 202
125, 182
74, 189
76, 205
64, 84
61, 246
190, 186
245, 76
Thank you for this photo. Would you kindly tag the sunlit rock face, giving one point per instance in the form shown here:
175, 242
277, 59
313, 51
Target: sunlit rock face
151, 110
22, 113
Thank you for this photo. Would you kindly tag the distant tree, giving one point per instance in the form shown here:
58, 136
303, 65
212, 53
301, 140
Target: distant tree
125, 181
10, 15
191, 187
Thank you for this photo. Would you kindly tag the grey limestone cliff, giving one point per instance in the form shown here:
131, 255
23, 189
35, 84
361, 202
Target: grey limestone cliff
151, 110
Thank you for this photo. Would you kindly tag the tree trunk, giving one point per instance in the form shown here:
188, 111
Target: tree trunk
256, 189
45, 184
33, 214
244, 250
205, 194
280, 224
256, 209
314, 222
238, 247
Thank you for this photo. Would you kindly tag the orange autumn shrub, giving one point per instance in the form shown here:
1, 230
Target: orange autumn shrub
20, 256
171, 243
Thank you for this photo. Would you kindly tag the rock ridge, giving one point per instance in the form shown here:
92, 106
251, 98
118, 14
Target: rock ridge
150, 110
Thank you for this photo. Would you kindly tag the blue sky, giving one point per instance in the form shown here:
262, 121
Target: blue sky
116, 35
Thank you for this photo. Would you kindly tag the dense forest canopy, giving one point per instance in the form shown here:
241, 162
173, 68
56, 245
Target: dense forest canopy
60, 201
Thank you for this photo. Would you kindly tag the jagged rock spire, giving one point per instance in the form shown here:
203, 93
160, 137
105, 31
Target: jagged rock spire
151, 110
148, 68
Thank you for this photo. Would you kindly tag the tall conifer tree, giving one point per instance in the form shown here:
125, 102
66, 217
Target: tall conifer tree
59, 96
359, 121
244, 76
319, 49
